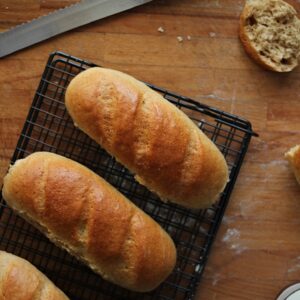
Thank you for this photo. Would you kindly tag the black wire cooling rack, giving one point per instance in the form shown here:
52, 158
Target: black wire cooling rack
48, 127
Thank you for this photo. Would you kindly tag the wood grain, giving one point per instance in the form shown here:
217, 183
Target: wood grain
257, 250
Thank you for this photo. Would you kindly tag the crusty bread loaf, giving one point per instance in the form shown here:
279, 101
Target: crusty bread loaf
83, 214
293, 157
150, 136
270, 33
20, 280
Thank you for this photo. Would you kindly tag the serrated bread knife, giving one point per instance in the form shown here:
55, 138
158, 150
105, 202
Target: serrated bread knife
61, 21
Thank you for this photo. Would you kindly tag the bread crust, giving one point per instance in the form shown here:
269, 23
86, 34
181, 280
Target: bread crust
293, 157
248, 45
149, 135
250, 50
19, 279
82, 213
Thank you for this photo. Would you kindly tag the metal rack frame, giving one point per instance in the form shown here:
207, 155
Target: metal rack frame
48, 127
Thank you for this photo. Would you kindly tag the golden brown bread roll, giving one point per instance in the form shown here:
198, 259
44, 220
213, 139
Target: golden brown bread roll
293, 157
20, 280
150, 136
82, 213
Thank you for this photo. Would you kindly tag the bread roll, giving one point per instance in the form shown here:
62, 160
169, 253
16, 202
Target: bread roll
83, 214
20, 280
293, 157
150, 136
270, 33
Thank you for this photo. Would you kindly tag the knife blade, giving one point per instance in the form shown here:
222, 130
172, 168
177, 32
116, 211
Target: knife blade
60, 21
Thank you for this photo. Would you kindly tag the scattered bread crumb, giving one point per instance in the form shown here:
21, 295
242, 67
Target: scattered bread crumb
212, 34
180, 39
161, 29
189, 37
198, 268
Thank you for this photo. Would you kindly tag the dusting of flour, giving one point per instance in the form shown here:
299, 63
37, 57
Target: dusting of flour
232, 240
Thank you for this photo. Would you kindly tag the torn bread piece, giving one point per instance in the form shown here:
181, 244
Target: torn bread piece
270, 33
293, 157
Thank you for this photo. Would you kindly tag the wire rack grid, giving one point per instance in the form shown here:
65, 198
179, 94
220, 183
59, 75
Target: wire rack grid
48, 127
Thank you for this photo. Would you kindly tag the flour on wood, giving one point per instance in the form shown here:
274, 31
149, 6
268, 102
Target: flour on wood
231, 234
294, 268
216, 279
232, 239
295, 265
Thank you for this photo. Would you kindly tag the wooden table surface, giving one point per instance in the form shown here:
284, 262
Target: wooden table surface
257, 250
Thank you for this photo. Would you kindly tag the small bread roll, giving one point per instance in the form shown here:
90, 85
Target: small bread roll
293, 157
82, 213
20, 280
155, 140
